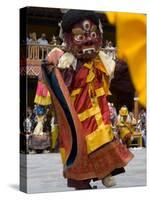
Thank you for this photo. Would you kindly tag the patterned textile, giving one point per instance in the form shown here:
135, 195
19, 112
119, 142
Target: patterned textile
78, 163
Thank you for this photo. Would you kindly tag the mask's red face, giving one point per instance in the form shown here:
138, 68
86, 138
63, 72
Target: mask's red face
84, 40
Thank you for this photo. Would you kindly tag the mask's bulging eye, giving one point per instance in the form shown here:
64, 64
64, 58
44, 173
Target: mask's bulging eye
79, 37
93, 35
86, 25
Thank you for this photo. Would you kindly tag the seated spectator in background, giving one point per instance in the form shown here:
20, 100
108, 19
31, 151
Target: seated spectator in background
27, 124
142, 125
110, 45
29, 38
42, 40
106, 43
113, 114
111, 50
125, 125
33, 39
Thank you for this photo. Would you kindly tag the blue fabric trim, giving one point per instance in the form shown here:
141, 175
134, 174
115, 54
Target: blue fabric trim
54, 85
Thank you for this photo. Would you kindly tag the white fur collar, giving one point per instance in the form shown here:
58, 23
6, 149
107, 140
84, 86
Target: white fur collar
108, 63
67, 60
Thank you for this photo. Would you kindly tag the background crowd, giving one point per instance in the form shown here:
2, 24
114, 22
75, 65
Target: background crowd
41, 123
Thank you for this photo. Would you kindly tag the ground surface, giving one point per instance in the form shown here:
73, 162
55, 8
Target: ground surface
45, 172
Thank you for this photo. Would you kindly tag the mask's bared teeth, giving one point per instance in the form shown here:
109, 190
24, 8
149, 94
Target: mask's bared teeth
89, 50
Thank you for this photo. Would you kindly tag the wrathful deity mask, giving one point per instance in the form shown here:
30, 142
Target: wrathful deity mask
84, 40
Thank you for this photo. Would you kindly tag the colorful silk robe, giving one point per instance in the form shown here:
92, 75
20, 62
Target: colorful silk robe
89, 99
87, 144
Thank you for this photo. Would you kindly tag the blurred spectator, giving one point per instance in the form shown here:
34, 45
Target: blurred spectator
142, 125
33, 39
110, 45
106, 43
27, 124
54, 40
125, 126
42, 40
29, 38
110, 50
113, 114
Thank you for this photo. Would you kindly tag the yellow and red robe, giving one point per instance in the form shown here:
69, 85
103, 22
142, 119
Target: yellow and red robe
89, 99
87, 144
